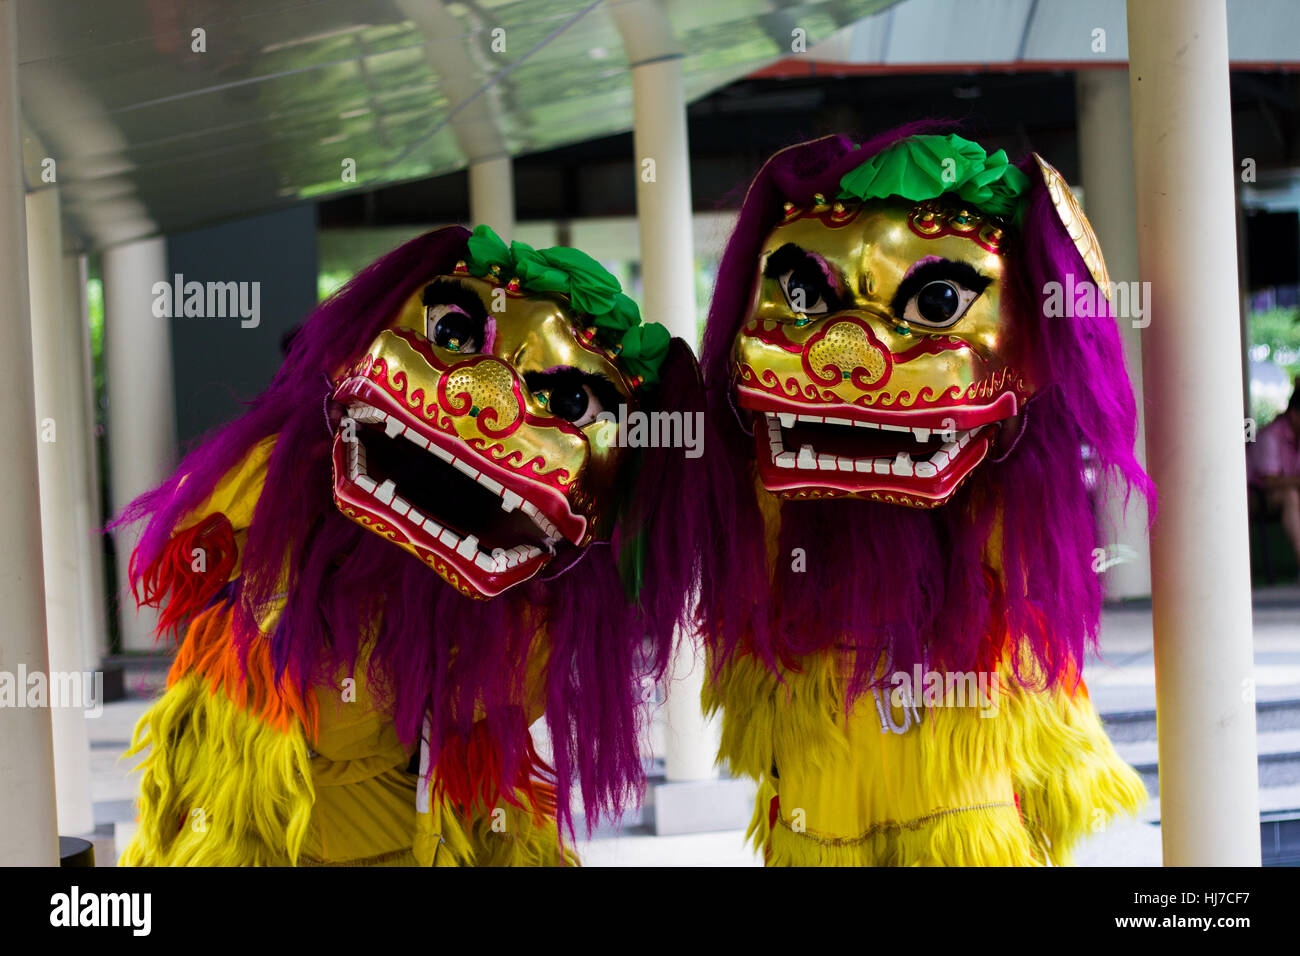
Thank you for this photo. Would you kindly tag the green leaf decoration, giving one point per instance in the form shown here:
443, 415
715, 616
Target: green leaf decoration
926, 167
590, 288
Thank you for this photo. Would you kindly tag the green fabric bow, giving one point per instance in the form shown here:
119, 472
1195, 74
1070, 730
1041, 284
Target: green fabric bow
641, 348
926, 167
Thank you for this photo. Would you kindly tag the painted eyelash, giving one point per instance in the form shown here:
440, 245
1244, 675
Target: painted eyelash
450, 292
791, 258
962, 273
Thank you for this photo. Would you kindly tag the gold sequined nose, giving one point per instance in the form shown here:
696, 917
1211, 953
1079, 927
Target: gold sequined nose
485, 385
847, 351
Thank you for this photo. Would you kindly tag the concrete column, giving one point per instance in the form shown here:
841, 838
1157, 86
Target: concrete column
663, 166
663, 202
1182, 138
28, 823
57, 376
1106, 164
691, 743
141, 412
93, 604
663, 196
492, 195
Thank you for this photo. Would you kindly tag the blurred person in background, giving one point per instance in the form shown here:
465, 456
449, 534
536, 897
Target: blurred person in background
1273, 466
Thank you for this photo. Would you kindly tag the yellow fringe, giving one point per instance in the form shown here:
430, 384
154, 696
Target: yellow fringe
515, 836
222, 788
1068, 778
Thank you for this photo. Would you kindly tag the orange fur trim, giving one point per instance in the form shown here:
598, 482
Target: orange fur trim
244, 674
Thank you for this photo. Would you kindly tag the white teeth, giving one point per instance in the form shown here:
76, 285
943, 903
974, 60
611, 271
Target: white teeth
895, 428
785, 460
880, 466
838, 421
922, 434
863, 464
964, 440
902, 464
846, 464
806, 457
925, 469
787, 419
866, 424
811, 418
468, 547
826, 462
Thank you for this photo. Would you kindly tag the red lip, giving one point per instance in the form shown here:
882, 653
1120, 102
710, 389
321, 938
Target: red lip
810, 455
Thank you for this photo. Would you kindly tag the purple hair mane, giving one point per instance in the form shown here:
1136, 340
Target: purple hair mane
435, 652
915, 586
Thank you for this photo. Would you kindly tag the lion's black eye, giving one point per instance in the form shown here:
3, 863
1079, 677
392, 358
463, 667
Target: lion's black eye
448, 327
574, 403
573, 395
454, 316
936, 293
938, 302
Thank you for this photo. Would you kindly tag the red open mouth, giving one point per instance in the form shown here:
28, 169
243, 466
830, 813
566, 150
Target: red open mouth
903, 458
482, 527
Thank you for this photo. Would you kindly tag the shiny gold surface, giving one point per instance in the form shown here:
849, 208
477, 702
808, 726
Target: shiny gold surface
484, 399
1076, 224
864, 354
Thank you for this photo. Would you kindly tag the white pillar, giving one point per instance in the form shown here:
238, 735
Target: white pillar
141, 402
94, 611
28, 822
1106, 168
663, 204
1182, 138
492, 195
56, 421
663, 197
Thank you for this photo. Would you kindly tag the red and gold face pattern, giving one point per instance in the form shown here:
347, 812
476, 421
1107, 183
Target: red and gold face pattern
471, 432
878, 357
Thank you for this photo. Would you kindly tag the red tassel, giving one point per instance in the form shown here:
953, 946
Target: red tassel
173, 572
469, 772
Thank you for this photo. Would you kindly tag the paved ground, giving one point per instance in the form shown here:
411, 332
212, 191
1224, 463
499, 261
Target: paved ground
1122, 681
